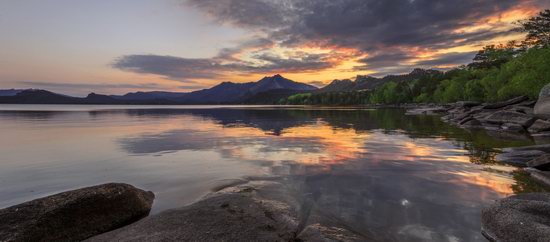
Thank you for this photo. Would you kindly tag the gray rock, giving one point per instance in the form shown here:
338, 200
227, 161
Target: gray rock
545, 148
467, 104
520, 109
471, 123
426, 111
509, 102
256, 211
542, 107
540, 176
512, 127
75, 215
539, 126
317, 232
529, 104
518, 158
524, 217
502, 117
542, 162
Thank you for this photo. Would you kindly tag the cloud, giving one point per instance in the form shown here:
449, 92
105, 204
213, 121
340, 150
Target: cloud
385, 27
87, 86
185, 69
453, 58
385, 36
169, 66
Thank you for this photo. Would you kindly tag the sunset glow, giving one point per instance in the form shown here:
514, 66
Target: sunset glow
185, 45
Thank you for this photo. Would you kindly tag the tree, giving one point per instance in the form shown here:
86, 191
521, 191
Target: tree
494, 56
537, 29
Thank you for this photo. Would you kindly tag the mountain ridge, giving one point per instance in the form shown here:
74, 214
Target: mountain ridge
223, 93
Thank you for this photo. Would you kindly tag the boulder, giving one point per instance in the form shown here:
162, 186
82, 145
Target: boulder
75, 215
539, 126
502, 117
524, 217
542, 162
509, 102
518, 158
542, 107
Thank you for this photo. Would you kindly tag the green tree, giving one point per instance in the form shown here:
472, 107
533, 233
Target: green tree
537, 29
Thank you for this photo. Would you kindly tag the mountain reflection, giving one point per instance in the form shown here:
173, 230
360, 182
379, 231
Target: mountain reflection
338, 134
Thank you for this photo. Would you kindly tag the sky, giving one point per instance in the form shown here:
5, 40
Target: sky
112, 47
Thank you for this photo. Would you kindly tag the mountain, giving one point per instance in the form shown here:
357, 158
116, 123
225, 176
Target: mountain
34, 96
225, 92
268, 89
279, 82
339, 86
370, 82
229, 92
10, 92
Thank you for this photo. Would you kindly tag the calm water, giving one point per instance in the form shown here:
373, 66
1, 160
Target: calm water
380, 172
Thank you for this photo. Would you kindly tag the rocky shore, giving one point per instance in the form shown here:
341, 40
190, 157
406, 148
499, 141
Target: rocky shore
273, 209
524, 217
254, 209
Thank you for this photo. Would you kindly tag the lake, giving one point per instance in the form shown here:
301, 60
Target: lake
399, 177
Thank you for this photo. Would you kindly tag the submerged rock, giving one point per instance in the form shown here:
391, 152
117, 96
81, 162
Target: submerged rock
524, 217
75, 215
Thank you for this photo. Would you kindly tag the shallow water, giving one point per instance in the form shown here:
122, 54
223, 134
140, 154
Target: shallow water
379, 172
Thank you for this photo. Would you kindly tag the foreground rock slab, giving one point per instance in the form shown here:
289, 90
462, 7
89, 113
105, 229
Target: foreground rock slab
257, 211
524, 217
75, 215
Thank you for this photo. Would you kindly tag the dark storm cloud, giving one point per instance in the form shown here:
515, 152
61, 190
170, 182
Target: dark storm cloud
184, 69
169, 66
384, 59
448, 59
366, 25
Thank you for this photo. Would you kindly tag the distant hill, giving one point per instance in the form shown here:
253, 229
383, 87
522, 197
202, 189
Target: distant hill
156, 95
36, 96
369, 82
274, 87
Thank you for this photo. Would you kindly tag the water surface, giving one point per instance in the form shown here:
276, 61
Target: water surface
380, 172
